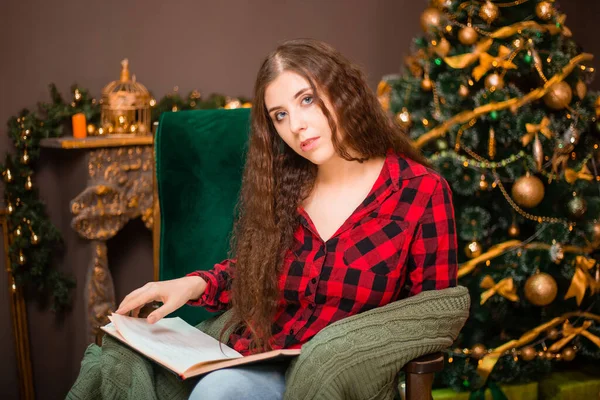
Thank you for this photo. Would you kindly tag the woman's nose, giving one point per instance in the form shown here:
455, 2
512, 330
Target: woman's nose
297, 123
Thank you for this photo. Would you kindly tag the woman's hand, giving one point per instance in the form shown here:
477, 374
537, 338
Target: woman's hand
173, 294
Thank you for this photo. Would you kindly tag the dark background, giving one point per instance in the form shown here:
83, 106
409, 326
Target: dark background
209, 46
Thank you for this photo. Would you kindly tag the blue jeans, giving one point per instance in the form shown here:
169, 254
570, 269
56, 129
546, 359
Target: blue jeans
249, 382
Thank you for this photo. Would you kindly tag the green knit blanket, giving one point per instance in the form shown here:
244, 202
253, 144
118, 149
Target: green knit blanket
358, 357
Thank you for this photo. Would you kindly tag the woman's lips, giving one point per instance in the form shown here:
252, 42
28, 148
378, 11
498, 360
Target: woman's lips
309, 144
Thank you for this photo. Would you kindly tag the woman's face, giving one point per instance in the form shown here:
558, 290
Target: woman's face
299, 121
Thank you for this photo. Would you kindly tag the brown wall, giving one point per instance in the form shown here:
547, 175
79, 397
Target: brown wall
209, 46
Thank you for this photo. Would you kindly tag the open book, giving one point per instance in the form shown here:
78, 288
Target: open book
181, 348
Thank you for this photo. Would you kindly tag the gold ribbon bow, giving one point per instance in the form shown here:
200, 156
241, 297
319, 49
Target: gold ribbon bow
571, 175
532, 129
487, 61
464, 60
582, 279
569, 332
505, 288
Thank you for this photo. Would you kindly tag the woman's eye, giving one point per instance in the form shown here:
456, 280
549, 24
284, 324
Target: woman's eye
279, 116
307, 100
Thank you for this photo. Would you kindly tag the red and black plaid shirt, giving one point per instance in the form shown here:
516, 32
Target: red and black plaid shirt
400, 241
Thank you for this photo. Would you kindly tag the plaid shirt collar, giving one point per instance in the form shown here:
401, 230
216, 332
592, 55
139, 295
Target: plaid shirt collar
396, 168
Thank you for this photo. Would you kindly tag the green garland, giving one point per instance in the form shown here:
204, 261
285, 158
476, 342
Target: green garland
33, 238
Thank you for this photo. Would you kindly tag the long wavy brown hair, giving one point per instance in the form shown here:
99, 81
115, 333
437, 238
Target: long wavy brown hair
276, 179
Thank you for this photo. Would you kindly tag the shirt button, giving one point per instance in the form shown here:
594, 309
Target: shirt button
314, 280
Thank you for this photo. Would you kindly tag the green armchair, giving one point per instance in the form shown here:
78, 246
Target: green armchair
199, 163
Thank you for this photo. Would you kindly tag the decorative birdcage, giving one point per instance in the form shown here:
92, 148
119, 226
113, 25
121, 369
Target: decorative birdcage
125, 105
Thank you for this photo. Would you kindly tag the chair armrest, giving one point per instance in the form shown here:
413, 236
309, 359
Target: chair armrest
427, 364
359, 357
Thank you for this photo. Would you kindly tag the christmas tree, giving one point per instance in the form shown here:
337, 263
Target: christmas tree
495, 94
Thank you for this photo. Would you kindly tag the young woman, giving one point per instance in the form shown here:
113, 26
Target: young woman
339, 214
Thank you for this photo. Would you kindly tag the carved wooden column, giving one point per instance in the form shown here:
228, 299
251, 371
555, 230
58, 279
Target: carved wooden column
119, 189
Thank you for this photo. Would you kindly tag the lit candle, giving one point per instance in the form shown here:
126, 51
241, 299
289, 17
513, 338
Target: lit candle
79, 126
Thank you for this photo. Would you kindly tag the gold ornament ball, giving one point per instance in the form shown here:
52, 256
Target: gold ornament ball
463, 91
528, 353
568, 354
544, 10
91, 129
494, 81
431, 19
473, 249
426, 84
528, 191
489, 12
478, 351
559, 96
553, 334
513, 230
403, 118
540, 289
467, 35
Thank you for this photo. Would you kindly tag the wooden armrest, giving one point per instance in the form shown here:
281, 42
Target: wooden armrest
426, 364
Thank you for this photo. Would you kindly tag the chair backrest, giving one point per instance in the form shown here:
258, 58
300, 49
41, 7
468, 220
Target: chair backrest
199, 163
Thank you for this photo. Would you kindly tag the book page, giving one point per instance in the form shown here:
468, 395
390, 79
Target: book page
171, 341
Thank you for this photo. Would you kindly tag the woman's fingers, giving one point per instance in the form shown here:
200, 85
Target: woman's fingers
136, 311
163, 311
138, 298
